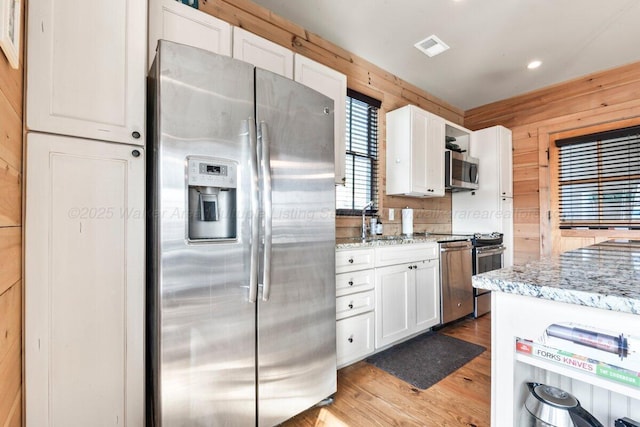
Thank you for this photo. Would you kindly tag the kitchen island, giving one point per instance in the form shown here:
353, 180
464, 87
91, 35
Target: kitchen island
571, 321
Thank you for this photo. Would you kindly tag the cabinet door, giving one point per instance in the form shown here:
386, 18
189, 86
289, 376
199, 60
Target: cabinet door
415, 153
172, 20
334, 85
395, 303
84, 282
262, 53
354, 338
427, 294
506, 210
87, 69
420, 172
435, 156
506, 161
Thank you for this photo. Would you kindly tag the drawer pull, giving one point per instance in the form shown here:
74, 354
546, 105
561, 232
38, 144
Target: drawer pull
350, 305
415, 266
350, 260
411, 267
350, 282
350, 339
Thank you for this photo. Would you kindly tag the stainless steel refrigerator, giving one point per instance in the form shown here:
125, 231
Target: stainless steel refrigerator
241, 243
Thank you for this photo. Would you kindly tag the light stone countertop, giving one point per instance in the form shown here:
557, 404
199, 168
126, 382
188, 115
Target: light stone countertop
605, 275
371, 242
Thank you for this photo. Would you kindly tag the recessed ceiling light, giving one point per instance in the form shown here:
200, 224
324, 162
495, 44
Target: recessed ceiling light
432, 46
534, 64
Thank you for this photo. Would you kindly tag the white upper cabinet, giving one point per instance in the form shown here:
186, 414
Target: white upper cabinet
415, 153
505, 143
262, 53
435, 155
334, 85
86, 73
493, 146
177, 22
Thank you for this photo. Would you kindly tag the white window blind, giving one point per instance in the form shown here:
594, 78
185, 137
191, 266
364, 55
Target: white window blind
361, 156
599, 180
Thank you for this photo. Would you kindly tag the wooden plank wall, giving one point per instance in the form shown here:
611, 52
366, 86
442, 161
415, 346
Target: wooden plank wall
429, 214
583, 105
11, 99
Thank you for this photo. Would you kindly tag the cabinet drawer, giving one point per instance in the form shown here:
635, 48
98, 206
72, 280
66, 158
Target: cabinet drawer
350, 305
400, 254
357, 281
354, 338
353, 260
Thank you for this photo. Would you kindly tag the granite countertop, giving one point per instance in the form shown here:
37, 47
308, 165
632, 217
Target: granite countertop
357, 242
605, 275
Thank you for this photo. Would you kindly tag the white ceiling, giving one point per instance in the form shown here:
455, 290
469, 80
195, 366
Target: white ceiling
491, 41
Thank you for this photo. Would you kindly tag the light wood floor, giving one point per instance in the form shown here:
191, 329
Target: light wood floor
368, 396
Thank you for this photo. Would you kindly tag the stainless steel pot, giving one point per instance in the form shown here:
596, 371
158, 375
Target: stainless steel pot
548, 406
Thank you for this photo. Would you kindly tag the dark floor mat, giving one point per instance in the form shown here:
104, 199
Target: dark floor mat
426, 359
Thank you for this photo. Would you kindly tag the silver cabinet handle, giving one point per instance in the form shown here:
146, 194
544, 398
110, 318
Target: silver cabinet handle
255, 217
265, 166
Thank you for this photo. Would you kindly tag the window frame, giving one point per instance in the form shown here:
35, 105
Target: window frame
600, 184
372, 153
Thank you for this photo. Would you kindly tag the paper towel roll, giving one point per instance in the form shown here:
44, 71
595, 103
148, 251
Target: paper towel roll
407, 221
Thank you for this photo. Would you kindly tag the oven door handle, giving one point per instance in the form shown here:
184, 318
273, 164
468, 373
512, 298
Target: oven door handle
486, 252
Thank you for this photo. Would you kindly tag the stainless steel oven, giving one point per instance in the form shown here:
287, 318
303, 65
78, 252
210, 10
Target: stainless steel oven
488, 254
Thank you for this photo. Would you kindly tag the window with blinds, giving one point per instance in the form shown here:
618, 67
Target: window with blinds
361, 185
599, 180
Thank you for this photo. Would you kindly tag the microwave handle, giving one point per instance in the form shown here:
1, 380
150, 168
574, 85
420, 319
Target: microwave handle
473, 173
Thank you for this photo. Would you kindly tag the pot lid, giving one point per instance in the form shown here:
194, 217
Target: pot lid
555, 396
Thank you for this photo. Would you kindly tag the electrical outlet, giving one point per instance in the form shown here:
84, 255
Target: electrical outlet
392, 214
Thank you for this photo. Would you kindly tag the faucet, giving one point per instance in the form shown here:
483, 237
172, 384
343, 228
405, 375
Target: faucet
364, 221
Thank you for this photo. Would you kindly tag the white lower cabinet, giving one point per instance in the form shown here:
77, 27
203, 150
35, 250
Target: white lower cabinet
395, 290
354, 304
84, 283
408, 294
427, 294
354, 338
383, 296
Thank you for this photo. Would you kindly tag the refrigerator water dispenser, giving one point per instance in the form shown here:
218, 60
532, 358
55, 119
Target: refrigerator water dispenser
212, 198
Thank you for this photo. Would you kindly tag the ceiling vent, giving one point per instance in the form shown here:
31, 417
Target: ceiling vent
431, 46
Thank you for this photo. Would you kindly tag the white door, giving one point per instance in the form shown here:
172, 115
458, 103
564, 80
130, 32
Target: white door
506, 161
435, 156
419, 155
395, 299
84, 283
506, 211
262, 53
87, 69
427, 294
172, 20
333, 84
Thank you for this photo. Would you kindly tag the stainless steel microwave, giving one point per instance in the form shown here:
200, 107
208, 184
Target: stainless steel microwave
460, 171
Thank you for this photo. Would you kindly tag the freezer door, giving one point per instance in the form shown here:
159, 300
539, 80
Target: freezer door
201, 319
296, 308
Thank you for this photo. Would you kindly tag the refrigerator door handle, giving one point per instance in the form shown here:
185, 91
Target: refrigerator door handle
265, 165
255, 216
